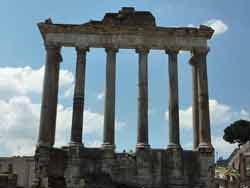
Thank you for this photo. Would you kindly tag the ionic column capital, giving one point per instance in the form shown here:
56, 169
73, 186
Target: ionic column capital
144, 50
82, 49
56, 50
193, 61
111, 49
201, 50
173, 50
52, 47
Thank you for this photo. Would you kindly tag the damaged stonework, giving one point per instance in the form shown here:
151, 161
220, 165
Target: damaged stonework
76, 166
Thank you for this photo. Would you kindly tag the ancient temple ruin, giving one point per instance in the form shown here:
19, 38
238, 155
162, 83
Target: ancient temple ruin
75, 165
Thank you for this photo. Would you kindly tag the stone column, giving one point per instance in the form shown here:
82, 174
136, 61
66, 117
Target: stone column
49, 97
109, 113
174, 151
142, 132
195, 108
78, 104
204, 119
174, 135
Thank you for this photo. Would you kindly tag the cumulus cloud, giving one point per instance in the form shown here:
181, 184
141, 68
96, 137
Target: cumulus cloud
218, 25
18, 125
222, 147
28, 81
19, 115
19, 122
220, 115
92, 126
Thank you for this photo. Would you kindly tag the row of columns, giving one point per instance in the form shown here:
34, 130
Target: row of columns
201, 122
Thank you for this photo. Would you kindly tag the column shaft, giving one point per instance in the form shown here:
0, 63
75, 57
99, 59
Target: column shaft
195, 108
49, 97
78, 104
204, 119
142, 132
109, 113
174, 135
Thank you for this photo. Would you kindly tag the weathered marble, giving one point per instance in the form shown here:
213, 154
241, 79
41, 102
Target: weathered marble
109, 113
75, 165
174, 132
78, 105
204, 119
195, 106
142, 121
49, 97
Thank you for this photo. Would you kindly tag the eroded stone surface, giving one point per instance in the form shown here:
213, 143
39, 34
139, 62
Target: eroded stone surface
76, 166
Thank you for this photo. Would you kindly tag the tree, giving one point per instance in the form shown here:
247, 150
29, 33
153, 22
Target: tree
237, 132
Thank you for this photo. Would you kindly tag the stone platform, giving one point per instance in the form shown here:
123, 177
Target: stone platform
76, 166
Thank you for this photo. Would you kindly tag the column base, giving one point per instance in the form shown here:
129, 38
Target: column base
43, 144
142, 146
108, 146
174, 146
42, 168
205, 147
79, 144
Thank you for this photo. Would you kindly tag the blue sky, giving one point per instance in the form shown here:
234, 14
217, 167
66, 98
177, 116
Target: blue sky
23, 56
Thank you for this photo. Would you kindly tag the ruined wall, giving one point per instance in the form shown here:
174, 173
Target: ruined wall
149, 168
23, 167
239, 161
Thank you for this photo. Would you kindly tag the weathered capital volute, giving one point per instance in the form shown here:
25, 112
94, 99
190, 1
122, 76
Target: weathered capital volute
56, 50
82, 49
111, 49
142, 50
173, 50
201, 50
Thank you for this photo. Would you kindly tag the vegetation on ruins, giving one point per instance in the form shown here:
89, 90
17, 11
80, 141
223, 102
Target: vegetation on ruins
227, 172
237, 132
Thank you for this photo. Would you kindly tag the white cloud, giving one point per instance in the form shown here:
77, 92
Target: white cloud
218, 25
220, 115
92, 126
19, 115
94, 144
69, 91
101, 95
27, 81
222, 148
19, 122
18, 125
191, 25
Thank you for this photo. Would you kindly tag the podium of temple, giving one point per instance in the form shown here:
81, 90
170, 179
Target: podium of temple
76, 165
